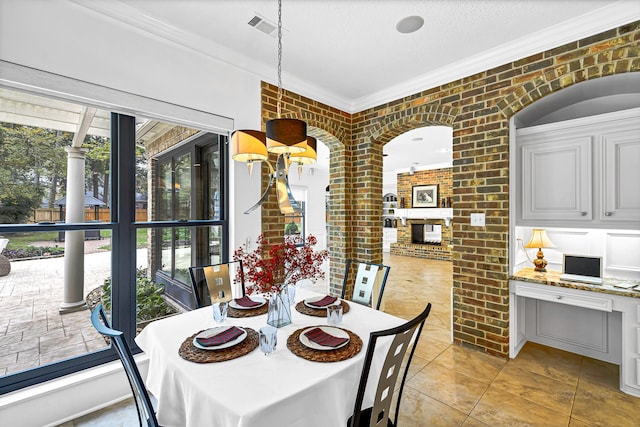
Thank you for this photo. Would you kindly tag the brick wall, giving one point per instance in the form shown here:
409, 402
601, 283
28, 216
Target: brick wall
478, 108
405, 183
332, 127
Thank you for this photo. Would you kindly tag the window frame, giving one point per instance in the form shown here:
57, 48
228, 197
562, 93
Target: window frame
122, 223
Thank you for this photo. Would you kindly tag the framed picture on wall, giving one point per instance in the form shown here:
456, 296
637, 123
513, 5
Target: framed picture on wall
425, 196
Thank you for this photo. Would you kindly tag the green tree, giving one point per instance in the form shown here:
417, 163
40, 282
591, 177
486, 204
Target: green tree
98, 165
31, 160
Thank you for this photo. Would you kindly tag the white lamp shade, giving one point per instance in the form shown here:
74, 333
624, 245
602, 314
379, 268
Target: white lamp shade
539, 239
249, 146
307, 157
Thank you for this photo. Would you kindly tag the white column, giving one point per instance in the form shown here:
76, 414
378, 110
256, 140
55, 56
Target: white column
73, 295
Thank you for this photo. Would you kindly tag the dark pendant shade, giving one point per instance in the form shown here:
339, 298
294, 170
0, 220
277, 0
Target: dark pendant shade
286, 136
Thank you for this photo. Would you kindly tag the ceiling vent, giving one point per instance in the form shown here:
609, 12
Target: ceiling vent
267, 27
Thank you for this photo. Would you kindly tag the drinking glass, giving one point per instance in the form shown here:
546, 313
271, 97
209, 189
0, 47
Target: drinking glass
334, 315
220, 311
268, 338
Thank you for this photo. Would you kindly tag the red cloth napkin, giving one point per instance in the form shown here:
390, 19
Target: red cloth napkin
328, 300
222, 338
245, 301
319, 336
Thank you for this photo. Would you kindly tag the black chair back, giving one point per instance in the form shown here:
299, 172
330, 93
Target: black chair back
146, 414
204, 278
369, 278
378, 414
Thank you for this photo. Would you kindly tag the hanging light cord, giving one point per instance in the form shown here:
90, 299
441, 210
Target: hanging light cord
279, 56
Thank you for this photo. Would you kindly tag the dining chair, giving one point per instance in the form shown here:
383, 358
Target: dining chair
378, 414
209, 278
146, 413
369, 281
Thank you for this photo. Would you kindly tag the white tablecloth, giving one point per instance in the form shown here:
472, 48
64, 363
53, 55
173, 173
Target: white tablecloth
255, 390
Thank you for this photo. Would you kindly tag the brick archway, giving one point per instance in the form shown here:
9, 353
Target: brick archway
478, 108
331, 127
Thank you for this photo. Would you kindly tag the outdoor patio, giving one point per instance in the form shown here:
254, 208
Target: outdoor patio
32, 331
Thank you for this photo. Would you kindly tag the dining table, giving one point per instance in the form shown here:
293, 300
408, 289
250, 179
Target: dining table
258, 390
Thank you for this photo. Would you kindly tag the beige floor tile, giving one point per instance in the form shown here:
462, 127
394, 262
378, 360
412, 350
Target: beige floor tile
437, 333
602, 373
551, 362
429, 348
417, 409
545, 391
472, 422
480, 366
499, 408
600, 405
452, 388
573, 422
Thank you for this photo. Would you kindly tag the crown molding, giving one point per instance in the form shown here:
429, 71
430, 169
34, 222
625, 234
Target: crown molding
599, 20
125, 14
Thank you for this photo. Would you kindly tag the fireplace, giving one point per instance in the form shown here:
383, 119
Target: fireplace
426, 234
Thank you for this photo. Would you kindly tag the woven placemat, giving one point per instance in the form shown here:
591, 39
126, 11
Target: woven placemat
190, 352
343, 353
235, 312
319, 312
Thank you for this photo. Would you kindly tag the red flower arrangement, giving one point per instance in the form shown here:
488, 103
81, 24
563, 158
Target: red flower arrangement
283, 264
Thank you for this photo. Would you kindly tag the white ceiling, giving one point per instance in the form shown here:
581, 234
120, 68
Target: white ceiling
348, 54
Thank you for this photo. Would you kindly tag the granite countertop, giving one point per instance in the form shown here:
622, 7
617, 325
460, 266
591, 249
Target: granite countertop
552, 278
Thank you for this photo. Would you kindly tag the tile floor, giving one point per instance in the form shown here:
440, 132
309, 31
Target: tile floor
449, 385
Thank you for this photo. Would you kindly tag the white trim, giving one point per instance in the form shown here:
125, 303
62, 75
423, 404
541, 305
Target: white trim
65, 88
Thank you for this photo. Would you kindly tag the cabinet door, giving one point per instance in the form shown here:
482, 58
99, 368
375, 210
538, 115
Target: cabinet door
557, 179
621, 176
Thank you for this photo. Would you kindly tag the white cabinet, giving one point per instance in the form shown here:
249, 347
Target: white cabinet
580, 173
621, 176
557, 178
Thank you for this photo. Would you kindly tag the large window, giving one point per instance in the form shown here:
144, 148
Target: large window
97, 206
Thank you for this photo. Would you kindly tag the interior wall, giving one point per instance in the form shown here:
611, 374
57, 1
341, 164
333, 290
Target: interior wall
65, 38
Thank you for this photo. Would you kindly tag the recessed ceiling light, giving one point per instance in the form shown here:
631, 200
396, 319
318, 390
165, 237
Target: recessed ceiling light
410, 24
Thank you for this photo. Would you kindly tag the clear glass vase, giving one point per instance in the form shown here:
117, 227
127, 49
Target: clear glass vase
279, 309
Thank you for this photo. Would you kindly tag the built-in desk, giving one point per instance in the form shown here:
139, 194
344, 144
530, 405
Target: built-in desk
598, 321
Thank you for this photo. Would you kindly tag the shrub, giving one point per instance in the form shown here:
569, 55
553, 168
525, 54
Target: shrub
32, 252
149, 301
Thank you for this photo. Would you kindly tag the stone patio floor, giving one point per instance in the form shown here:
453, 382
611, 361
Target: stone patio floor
32, 331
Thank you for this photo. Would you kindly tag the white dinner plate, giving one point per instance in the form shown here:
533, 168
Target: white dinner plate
336, 332
235, 305
314, 299
215, 331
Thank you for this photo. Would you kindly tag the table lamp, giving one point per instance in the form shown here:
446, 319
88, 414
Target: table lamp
539, 239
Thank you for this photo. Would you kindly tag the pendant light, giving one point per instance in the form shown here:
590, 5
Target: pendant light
285, 137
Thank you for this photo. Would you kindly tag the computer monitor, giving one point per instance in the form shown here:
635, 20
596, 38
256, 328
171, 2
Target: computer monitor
582, 265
